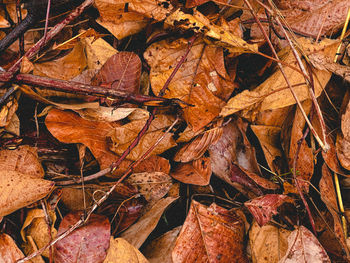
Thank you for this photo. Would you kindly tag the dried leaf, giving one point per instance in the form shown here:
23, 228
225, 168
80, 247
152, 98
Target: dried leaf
159, 250
68, 127
196, 148
210, 234
121, 251
274, 92
154, 163
89, 243
122, 72
121, 137
9, 252
24, 160
138, 233
105, 113
268, 243
152, 185
3, 22
264, 207
18, 190
304, 247
201, 81
197, 172
343, 140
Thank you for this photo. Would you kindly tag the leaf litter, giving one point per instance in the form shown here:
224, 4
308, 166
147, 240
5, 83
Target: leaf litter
175, 131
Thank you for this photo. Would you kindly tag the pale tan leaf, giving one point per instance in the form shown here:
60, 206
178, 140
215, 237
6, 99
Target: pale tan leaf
159, 250
24, 160
274, 92
121, 250
138, 233
152, 185
9, 252
108, 114
18, 190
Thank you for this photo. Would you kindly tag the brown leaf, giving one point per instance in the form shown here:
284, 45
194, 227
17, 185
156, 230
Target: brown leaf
210, 234
122, 72
268, 243
304, 247
264, 207
89, 243
138, 233
121, 251
197, 172
18, 190
68, 127
159, 250
152, 185
121, 137
343, 139
154, 163
9, 252
329, 197
274, 93
202, 79
24, 160
196, 148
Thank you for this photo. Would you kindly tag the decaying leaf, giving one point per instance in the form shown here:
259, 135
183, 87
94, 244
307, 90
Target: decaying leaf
264, 207
138, 233
9, 252
18, 190
121, 251
210, 234
88, 243
268, 244
304, 247
152, 185
121, 137
24, 160
159, 250
343, 140
197, 172
274, 92
201, 81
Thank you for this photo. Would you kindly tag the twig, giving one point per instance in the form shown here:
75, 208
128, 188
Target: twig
47, 19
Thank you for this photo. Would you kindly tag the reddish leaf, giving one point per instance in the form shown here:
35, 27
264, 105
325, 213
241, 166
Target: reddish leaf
303, 247
121, 71
210, 234
264, 207
89, 243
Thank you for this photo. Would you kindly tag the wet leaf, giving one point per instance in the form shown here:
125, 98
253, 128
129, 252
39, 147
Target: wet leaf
264, 207
88, 243
18, 190
304, 247
197, 172
208, 234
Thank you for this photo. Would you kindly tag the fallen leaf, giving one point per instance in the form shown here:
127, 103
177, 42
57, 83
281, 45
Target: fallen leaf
274, 93
304, 247
264, 207
268, 244
121, 71
154, 163
121, 137
197, 172
152, 185
159, 250
88, 243
9, 252
121, 251
202, 79
138, 232
3, 22
198, 146
210, 234
24, 160
108, 114
343, 140
18, 190
68, 127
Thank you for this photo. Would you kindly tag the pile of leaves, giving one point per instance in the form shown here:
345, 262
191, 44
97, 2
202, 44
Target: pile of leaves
174, 131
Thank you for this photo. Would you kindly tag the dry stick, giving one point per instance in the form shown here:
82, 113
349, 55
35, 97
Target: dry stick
76, 87
141, 133
296, 99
